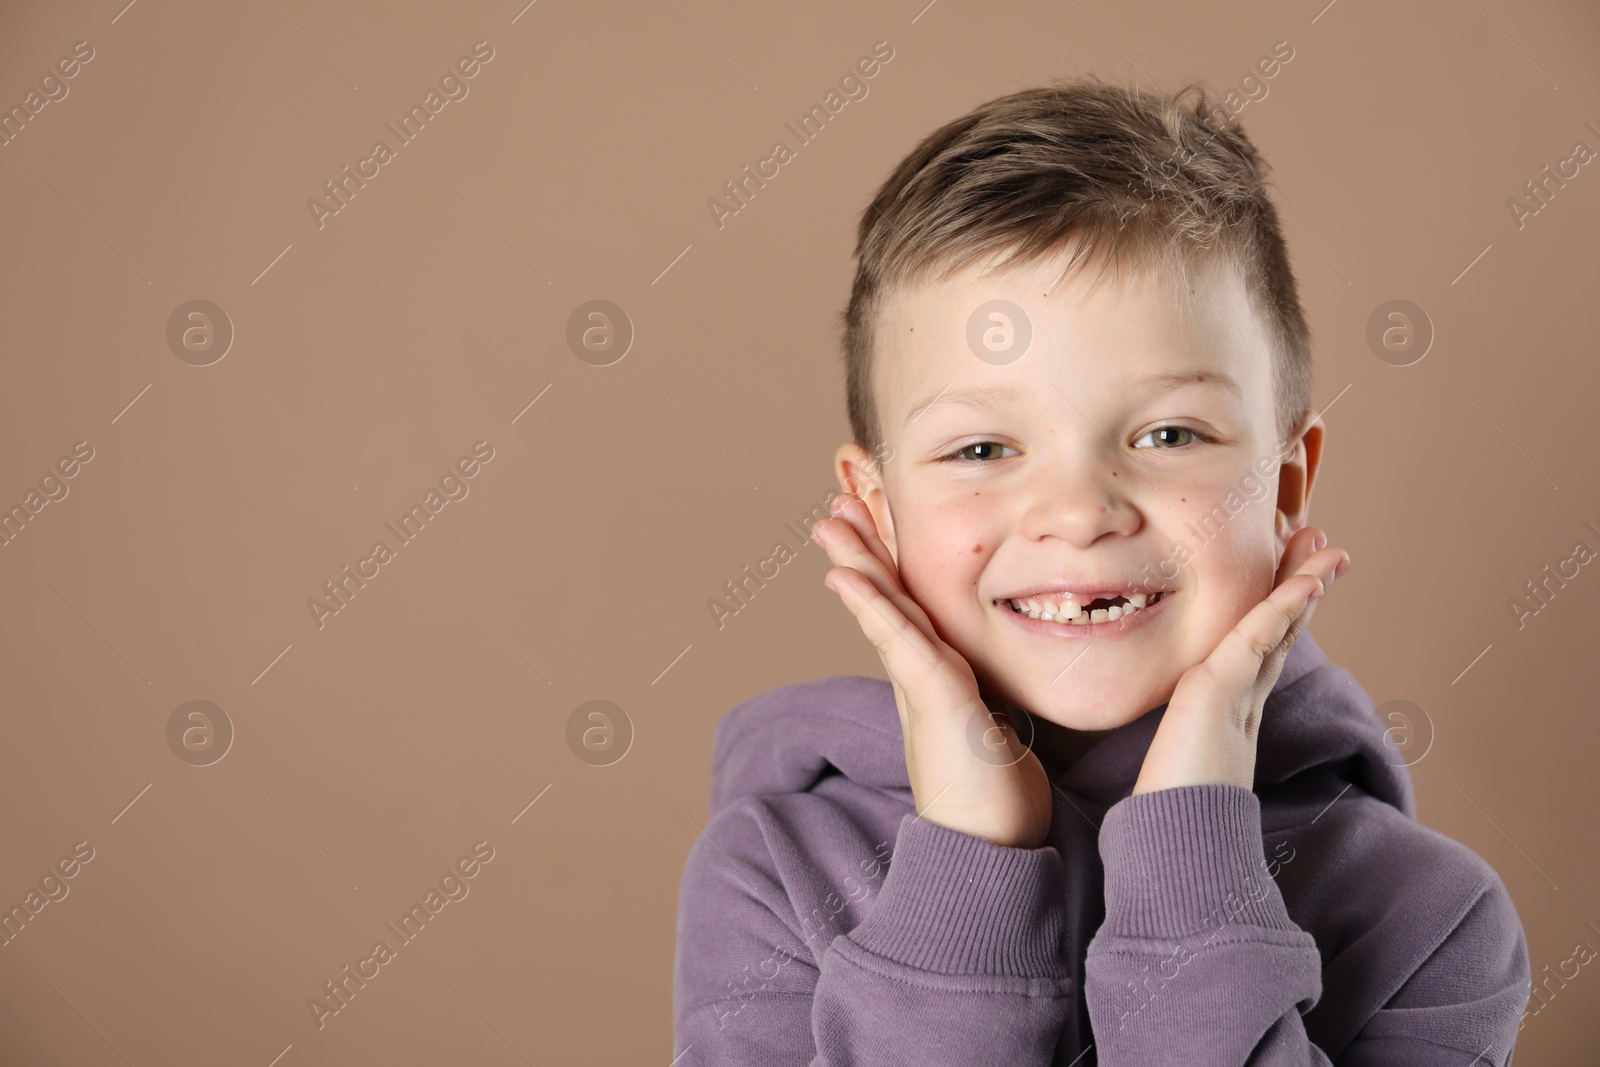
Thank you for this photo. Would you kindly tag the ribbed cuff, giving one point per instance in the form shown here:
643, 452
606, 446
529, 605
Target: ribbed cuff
1183, 860
954, 903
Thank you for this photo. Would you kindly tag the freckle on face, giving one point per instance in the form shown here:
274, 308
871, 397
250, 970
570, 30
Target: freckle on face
976, 549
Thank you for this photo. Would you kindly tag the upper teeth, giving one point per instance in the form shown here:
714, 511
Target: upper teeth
1065, 608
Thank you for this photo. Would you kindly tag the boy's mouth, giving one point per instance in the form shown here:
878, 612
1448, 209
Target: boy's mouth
1081, 609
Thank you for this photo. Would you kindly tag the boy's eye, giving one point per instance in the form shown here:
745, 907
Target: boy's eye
983, 457
1163, 436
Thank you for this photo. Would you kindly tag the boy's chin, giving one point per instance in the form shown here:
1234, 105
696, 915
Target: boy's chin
1090, 707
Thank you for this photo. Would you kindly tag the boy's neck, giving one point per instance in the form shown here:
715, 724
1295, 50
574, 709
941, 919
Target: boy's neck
1058, 747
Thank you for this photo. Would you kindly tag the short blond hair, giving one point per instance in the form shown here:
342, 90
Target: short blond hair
1103, 168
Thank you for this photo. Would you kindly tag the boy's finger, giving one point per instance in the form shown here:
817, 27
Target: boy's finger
1239, 657
1302, 549
843, 542
1323, 570
886, 586
908, 655
852, 509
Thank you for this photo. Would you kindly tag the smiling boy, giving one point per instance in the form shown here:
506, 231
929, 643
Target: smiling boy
1081, 466
1104, 712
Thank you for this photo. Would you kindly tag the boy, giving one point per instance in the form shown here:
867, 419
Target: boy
1113, 805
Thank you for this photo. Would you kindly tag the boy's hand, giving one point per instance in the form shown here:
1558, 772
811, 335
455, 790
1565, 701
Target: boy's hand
969, 771
1208, 733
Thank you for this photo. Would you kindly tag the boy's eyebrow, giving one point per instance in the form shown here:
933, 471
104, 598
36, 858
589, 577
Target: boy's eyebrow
1176, 379
989, 395
980, 396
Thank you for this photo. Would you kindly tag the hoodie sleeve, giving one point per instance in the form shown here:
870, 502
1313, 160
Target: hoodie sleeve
958, 959
1198, 962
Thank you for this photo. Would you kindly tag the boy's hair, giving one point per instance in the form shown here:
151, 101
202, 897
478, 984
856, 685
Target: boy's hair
1101, 168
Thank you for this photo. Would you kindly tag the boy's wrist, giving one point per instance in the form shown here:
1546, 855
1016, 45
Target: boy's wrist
954, 903
1183, 860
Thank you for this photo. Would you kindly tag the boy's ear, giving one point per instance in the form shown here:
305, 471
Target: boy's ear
861, 473
1296, 475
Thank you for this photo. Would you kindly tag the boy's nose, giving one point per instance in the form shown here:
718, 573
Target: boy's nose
1080, 505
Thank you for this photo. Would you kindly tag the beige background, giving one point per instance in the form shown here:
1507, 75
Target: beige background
372, 353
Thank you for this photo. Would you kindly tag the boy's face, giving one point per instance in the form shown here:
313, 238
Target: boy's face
1092, 477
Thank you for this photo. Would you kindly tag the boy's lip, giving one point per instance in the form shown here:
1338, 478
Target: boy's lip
1084, 591
1127, 624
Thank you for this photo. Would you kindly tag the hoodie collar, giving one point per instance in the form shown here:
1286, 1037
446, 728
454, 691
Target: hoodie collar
1318, 727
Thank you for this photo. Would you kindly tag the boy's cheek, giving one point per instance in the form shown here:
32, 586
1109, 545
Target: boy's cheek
938, 588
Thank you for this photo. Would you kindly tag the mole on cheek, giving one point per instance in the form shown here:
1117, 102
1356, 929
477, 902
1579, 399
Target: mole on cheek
976, 549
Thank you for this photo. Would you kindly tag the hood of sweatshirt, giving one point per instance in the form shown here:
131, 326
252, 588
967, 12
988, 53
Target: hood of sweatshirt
1319, 736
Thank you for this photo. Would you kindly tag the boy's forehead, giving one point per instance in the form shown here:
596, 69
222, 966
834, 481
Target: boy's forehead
1093, 325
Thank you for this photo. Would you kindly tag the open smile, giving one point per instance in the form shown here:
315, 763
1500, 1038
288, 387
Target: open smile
1094, 619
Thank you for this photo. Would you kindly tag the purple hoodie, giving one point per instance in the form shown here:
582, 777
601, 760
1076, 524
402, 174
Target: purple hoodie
1310, 920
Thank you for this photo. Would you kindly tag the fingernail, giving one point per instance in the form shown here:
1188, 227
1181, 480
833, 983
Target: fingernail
1344, 565
836, 505
1319, 542
831, 584
1321, 589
